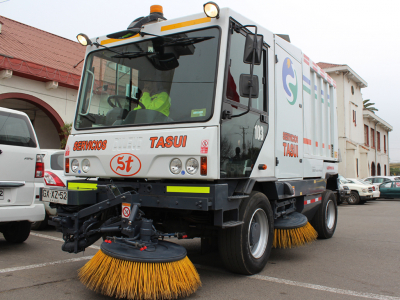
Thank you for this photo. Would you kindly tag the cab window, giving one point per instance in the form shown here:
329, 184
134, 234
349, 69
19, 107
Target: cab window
236, 67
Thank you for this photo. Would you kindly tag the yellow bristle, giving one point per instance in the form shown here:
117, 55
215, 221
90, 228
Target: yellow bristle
135, 280
288, 238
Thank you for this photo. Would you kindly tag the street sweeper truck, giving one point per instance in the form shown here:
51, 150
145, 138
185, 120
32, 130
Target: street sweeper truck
207, 126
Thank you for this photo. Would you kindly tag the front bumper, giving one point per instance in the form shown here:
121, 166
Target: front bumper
194, 197
366, 197
31, 213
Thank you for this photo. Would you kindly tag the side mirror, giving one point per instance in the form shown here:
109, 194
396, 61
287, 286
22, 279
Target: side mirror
249, 46
244, 86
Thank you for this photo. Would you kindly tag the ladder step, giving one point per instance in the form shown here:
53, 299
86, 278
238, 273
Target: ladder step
231, 224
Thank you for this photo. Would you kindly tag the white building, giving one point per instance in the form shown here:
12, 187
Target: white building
39, 75
358, 144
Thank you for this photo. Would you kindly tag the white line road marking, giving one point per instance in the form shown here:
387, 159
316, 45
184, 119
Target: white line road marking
57, 239
308, 285
258, 277
65, 261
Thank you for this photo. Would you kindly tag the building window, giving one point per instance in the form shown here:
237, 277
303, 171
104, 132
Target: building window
352, 90
384, 143
372, 169
357, 166
372, 138
384, 169
379, 169
355, 118
366, 135
378, 140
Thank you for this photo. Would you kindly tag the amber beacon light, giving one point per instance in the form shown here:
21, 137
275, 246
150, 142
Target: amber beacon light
211, 10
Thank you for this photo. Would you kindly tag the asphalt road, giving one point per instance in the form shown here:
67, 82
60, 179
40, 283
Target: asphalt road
361, 261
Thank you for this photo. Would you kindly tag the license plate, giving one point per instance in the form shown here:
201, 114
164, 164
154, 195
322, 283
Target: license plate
56, 196
1, 194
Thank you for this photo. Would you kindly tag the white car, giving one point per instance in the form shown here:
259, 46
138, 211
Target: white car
22, 171
360, 193
375, 189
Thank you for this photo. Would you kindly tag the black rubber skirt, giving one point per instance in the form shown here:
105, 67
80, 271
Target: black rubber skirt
161, 253
292, 221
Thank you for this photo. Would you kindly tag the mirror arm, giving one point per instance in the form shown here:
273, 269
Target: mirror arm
251, 68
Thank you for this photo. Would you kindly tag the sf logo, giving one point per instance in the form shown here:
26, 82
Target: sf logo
125, 164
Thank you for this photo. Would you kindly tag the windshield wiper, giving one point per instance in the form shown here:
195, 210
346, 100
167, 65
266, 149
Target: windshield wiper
132, 54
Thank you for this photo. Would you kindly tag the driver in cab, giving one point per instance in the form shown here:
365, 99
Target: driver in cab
155, 97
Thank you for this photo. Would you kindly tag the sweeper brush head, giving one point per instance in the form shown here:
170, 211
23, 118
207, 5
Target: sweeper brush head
119, 271
293, 231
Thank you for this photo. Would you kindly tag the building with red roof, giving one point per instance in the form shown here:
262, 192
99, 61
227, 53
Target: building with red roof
39, 74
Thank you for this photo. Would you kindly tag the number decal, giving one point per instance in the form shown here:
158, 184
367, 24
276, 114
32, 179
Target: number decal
259, 132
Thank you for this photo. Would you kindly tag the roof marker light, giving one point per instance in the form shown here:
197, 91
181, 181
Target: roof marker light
211, 10
83, 39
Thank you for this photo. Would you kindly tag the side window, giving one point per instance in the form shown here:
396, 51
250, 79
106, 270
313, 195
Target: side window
396, 185
236, 66
387, 185
16, 131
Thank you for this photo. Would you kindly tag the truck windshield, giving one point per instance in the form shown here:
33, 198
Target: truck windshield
160, 80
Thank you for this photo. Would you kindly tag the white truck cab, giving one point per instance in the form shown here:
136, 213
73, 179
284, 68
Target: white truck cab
21, 175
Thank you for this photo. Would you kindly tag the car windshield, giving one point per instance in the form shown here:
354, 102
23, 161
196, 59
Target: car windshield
57, 161
159, 80
343, 180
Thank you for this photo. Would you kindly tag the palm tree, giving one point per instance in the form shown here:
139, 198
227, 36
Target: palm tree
368, 105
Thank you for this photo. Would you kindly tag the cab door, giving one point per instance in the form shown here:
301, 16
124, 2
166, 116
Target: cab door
242, 136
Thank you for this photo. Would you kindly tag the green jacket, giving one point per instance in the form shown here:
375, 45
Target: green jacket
160, 102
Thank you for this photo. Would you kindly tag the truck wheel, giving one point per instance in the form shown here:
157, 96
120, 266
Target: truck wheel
17, 232
354, 198
325, 219
245, 249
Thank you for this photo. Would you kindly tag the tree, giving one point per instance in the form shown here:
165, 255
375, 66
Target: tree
368, 105
65, 132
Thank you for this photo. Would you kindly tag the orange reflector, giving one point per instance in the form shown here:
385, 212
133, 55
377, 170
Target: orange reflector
203, 165
156, 9
262, 166
67, 165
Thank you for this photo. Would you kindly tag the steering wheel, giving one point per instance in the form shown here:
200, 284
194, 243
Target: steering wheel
117, 103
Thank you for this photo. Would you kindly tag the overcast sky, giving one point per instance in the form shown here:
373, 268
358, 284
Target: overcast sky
362, 34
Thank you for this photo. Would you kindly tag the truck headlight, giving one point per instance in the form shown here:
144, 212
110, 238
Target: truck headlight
85, 165
175, 166
192, 165
364, 190
74, 165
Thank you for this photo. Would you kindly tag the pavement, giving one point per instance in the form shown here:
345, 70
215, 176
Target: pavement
361, 261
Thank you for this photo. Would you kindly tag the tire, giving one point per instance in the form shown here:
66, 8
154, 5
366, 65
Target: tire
17, 232
41, 224
354, 198
325, 219
245, 249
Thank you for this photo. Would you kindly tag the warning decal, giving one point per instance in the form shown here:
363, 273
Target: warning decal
126, 210
204, 146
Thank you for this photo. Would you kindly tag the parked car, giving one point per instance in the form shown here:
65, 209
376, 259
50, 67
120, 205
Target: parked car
381, 179
370, 186
53, 176
390, 190
360, 193
22, 171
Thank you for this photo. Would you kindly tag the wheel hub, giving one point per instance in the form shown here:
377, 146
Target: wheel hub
255, 232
